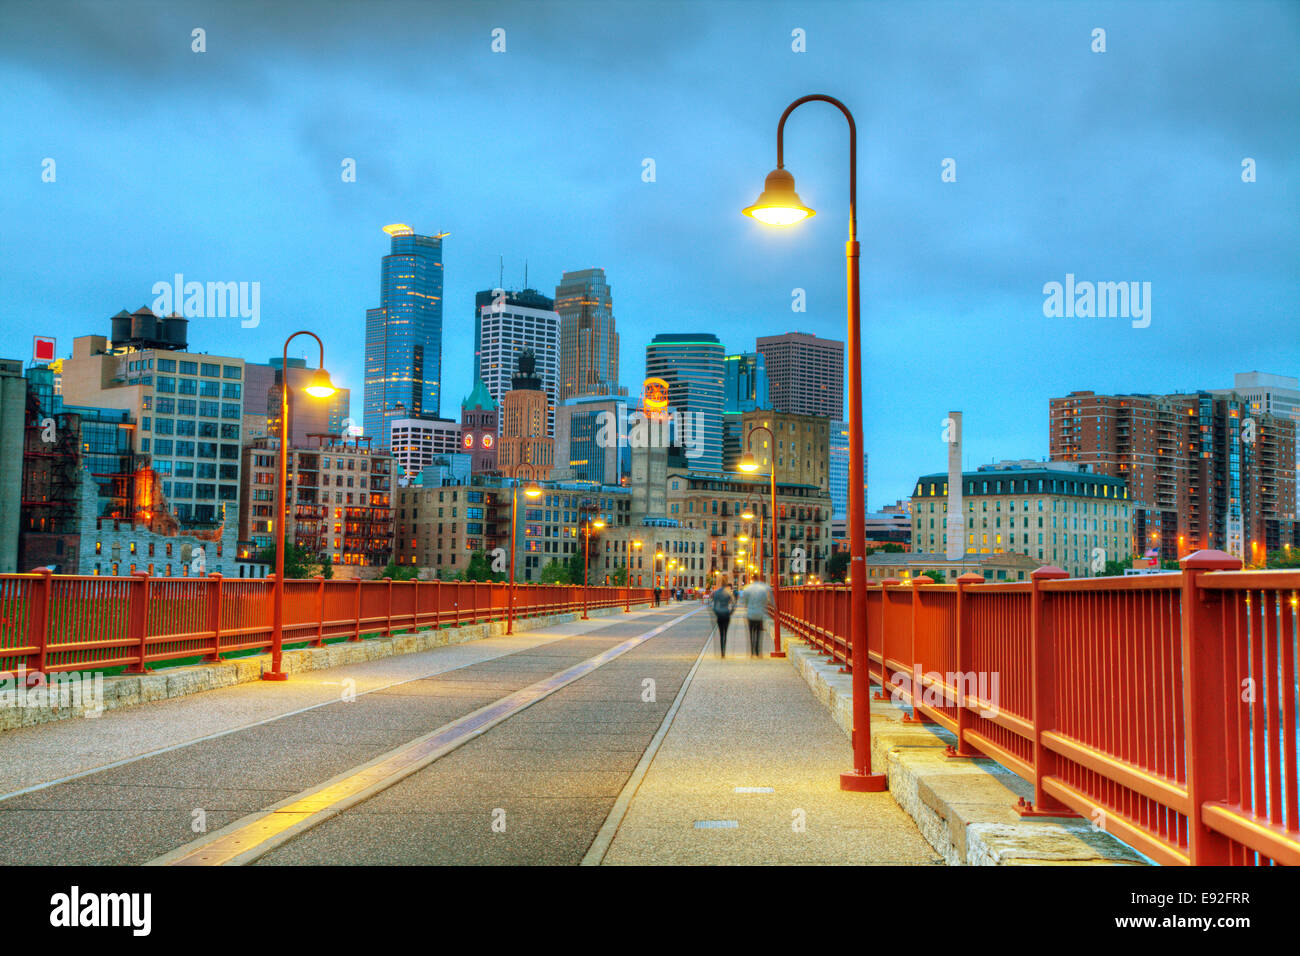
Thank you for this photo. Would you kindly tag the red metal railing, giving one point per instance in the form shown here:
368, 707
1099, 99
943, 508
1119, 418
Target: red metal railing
54, 623
1161, 707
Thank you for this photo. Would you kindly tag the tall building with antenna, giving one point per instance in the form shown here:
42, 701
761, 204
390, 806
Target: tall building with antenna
507, 324
404, 335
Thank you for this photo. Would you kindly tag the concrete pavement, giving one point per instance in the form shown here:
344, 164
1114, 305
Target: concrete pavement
748, 773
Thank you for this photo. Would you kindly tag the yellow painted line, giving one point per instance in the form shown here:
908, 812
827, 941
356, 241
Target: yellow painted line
257, 834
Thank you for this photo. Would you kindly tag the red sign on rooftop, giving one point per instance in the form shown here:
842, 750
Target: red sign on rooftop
42, 349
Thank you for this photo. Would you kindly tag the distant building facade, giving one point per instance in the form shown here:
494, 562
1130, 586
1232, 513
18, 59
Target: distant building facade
508, 324
805, 374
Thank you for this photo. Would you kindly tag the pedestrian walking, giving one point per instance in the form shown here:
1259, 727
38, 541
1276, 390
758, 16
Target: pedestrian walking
658, 595
724, 601
758, 598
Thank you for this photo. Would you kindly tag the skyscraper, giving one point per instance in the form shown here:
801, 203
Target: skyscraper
1275, 395
404, 334
805, 374
692, 365
839, 471
588, 341
506, 324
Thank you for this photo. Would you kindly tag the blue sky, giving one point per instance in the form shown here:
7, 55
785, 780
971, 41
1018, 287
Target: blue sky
1115, 166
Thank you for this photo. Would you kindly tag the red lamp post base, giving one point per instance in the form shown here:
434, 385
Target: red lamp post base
856, 782
274, 675
777, 654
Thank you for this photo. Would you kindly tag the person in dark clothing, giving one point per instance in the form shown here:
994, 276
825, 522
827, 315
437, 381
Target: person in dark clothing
724, 601
658, 595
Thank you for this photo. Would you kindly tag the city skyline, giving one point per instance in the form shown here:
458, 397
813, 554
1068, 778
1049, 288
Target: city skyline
1105, 203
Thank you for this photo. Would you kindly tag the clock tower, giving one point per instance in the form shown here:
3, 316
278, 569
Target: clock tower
478, 429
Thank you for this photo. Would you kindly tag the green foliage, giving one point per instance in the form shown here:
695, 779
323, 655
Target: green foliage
298, 562
837, 566
575, 568
1116, 568
619, 577
480, 569
1283, 559
400, 572
936, 575
556, 572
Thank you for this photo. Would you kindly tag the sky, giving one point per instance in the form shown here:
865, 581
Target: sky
1122, 165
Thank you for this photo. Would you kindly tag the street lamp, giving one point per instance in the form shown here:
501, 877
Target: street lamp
627, 578
531, 490
319, 386
590, 523
780, 205
748, 464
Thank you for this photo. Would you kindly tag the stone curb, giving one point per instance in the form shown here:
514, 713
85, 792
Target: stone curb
963, 808
127, 690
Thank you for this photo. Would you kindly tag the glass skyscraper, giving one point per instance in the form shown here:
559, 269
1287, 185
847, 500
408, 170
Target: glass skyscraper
404, 335
692, 365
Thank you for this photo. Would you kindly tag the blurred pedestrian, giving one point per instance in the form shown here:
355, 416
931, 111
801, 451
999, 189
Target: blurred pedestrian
724, 602
758, 599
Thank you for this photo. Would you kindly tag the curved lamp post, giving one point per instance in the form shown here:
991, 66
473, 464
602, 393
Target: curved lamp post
780, 205
320, 386
531, 490
748, 464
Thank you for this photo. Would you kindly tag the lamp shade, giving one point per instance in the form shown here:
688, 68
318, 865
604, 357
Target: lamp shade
320, 385
779, 204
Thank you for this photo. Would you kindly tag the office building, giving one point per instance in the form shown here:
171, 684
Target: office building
588, 340
417, 442
838, 470
692, 366
592, 440
188, 409
805, 374
308, 415
404, 334
1057, 513
506, 324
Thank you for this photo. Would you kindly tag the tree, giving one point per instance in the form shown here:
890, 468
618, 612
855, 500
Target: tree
556, 572
1115, 568
400, 572
298, 562
619, 577
575, 568
936, 575
1284, 558
480, 569
837, 566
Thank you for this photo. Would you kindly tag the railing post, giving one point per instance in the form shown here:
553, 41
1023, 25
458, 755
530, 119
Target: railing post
137, 619
320, 611
965, 664
917, 716
39, 624
213, 591
883, 693
1042, 675
356, 614
388, 624
1205, 704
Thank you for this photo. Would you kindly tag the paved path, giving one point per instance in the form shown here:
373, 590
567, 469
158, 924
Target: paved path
531, 749
756, 759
